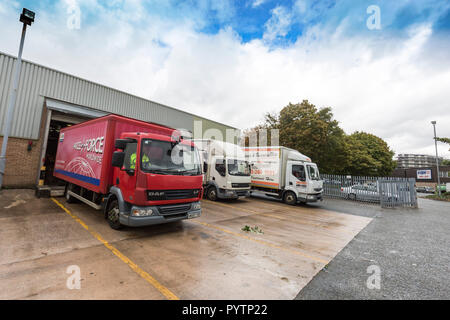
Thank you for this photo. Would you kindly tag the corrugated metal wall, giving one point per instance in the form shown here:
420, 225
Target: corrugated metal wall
209, 124
37, 82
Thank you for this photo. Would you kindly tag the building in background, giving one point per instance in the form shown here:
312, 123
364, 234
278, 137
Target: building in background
425, 176
405, 161
48, 100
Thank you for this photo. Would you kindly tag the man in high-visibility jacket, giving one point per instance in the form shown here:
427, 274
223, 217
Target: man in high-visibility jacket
145, 161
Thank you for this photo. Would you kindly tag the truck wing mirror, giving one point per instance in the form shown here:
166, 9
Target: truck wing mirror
121, 143
118, 158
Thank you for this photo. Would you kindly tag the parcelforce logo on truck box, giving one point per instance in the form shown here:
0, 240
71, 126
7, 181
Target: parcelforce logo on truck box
90, 145
80, 153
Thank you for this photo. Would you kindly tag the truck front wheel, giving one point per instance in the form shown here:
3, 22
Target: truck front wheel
211, 194
290, 198
113, 215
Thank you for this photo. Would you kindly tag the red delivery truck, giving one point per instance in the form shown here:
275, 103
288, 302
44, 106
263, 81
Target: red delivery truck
138, 173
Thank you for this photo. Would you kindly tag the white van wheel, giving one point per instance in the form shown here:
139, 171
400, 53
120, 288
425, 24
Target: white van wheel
290, 198
211, 194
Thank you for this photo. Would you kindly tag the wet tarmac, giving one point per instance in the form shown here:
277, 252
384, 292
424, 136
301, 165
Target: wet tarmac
210, 257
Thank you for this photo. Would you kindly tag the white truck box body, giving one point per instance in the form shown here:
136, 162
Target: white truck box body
269, 165
228, 186
269, 172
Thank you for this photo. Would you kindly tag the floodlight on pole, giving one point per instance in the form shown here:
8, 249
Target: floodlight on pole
27, 18
437, 159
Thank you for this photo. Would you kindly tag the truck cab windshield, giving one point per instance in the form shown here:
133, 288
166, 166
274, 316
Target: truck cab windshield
313, 172
238, 167
164, 157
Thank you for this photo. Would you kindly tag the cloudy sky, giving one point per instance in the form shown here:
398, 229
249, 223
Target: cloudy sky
233, 61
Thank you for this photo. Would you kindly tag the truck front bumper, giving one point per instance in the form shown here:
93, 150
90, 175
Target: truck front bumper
232, 194
312, 198
161, 214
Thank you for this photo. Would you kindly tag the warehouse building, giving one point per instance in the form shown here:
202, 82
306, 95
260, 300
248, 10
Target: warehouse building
48, 100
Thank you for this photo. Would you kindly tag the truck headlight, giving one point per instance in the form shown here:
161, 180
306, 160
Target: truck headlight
141, 212
196, 206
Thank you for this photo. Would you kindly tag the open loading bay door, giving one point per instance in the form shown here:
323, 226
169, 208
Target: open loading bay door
59, 115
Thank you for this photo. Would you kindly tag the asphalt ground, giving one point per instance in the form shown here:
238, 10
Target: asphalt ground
46, 244
212, 258
410, 247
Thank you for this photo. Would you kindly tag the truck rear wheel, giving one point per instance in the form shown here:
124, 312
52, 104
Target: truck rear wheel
113, 215
290, 198
211, 194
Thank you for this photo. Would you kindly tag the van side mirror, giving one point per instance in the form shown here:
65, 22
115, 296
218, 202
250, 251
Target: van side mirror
118, 159
121, 143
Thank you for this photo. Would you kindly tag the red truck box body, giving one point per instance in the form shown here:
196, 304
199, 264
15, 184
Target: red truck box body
85, 150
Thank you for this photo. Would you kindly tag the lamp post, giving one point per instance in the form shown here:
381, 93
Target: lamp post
437, 159
27, 18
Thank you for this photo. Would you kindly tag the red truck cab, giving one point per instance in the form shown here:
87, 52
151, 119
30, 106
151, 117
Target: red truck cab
155, 175
138, 173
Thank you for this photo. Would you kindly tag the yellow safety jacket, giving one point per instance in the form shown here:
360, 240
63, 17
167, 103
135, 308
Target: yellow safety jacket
145, 160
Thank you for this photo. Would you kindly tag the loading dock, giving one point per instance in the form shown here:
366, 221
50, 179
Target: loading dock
46, 95
58, 115
207, 258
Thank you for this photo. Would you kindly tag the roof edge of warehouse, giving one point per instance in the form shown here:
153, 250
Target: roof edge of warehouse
115, 89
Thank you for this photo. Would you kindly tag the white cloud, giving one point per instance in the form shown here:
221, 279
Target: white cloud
390, 87
257, 3
278, 25
300, 6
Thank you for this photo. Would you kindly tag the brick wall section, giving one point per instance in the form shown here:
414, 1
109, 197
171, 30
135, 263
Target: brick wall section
22, 165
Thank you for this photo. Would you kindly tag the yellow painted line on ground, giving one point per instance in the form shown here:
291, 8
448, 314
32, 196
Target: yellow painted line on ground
262, 242
162, 289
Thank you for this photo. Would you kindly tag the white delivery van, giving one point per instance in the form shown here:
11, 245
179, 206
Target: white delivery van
226, 172
284, 173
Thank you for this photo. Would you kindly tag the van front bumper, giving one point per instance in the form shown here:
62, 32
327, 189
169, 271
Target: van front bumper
232, 194
312, 198
161, 214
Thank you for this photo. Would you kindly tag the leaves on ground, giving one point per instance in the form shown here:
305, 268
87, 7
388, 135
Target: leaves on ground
254, 229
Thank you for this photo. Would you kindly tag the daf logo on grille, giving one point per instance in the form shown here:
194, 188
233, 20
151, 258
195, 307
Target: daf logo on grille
156, 193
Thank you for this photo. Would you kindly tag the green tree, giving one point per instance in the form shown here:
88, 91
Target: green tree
444, 140
369, 155
445, 162
315, 133
311, 131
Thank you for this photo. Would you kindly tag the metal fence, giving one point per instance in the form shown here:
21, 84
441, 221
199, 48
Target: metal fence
389, 192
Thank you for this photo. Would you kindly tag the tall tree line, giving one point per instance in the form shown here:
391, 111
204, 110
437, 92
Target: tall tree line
315, 133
